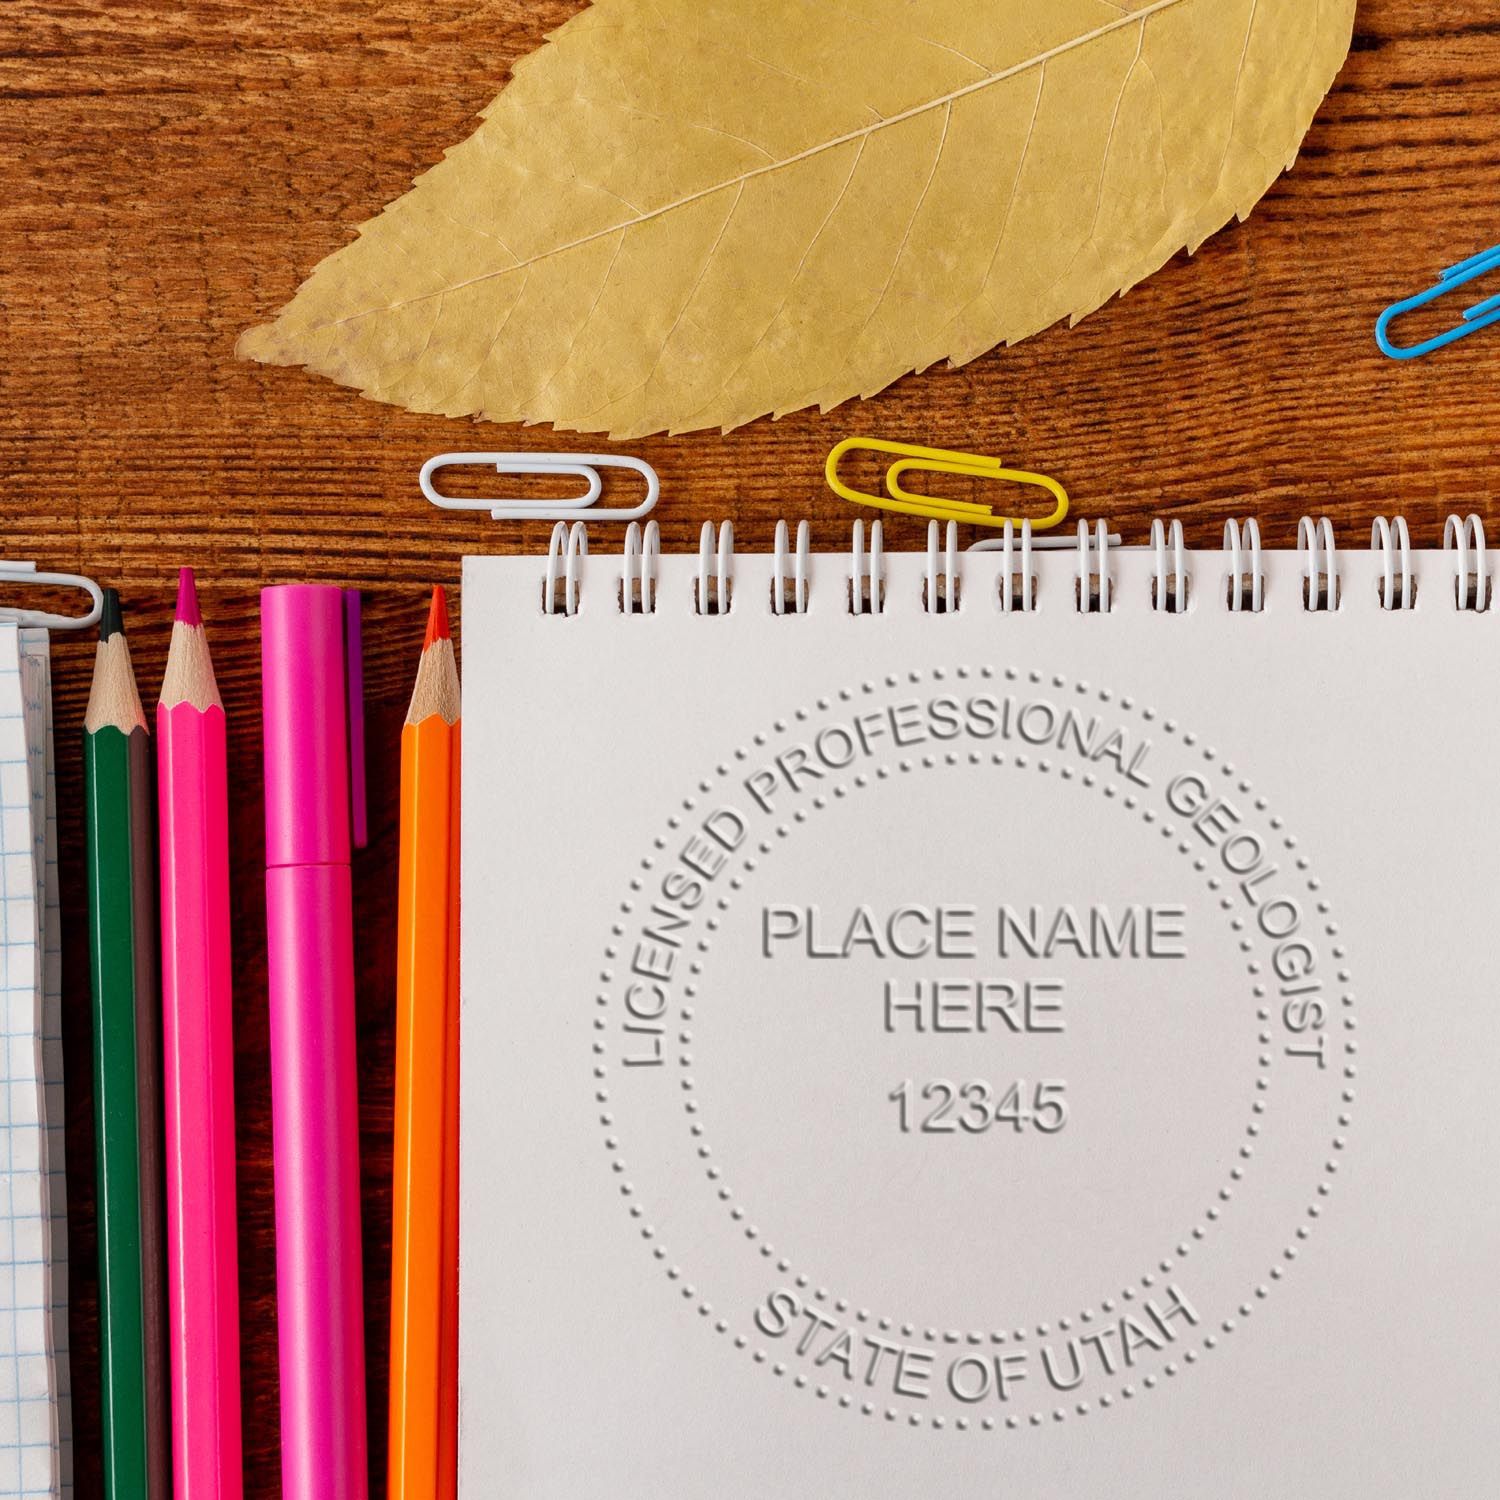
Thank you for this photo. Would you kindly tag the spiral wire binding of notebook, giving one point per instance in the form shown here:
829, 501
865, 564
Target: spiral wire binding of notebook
36, 1440
976, 1023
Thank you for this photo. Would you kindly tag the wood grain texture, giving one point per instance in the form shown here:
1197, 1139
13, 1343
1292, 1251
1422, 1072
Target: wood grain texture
170, 172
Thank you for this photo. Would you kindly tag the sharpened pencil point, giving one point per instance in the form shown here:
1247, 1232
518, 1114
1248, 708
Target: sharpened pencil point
187, 598
437, 618
110, 621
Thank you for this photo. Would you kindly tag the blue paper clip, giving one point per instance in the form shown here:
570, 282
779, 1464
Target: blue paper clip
1482, 316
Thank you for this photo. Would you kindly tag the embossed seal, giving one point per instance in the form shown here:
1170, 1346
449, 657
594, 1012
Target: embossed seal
960, 1119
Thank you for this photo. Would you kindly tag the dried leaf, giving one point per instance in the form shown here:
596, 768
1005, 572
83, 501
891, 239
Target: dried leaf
688, 213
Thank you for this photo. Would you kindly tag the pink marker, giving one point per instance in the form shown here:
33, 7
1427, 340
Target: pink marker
306, 672
198, 1066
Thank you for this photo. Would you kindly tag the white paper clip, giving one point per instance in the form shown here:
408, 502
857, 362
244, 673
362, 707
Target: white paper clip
25, 573
1040, 543
583, 466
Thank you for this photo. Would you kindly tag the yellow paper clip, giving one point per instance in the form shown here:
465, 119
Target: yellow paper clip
912, 459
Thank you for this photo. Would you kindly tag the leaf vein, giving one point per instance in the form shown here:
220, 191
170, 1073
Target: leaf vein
1015, 192
879, 302
588, 318
687, 302
792, 280
1239, 80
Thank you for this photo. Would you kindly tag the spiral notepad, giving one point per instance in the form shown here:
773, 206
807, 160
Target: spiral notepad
981, 1023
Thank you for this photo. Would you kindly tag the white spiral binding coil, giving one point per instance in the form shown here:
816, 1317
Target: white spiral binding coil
1466, 537
568, 547
638, 575
715, 567
1008, 601
1393, 542
946, 601
1390, 542
1235, 544
1093, 564
1320, 566
799, 573
866, 580
1176, 575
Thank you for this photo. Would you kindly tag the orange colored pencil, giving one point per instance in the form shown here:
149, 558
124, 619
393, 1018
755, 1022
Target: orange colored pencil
424, 1229
448, 1366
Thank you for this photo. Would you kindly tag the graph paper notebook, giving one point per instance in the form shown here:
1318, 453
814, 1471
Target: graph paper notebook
971, 1051
36, 660
35, 1428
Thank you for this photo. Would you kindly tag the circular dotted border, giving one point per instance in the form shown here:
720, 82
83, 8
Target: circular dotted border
1289, 1253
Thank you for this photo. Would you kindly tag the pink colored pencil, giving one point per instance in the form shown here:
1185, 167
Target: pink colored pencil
198, 1066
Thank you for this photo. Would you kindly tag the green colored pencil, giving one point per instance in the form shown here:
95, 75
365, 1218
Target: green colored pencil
127, 1106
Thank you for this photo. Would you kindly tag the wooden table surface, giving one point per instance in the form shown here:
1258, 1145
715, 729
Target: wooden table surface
170, 172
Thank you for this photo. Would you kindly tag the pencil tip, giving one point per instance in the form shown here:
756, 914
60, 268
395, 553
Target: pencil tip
110, 621
187, 598
437, 618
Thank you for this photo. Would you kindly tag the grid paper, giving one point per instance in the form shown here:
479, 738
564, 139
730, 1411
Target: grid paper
36, 668
30, 1427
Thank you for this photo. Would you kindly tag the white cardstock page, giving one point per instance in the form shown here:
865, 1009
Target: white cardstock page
979, 1054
